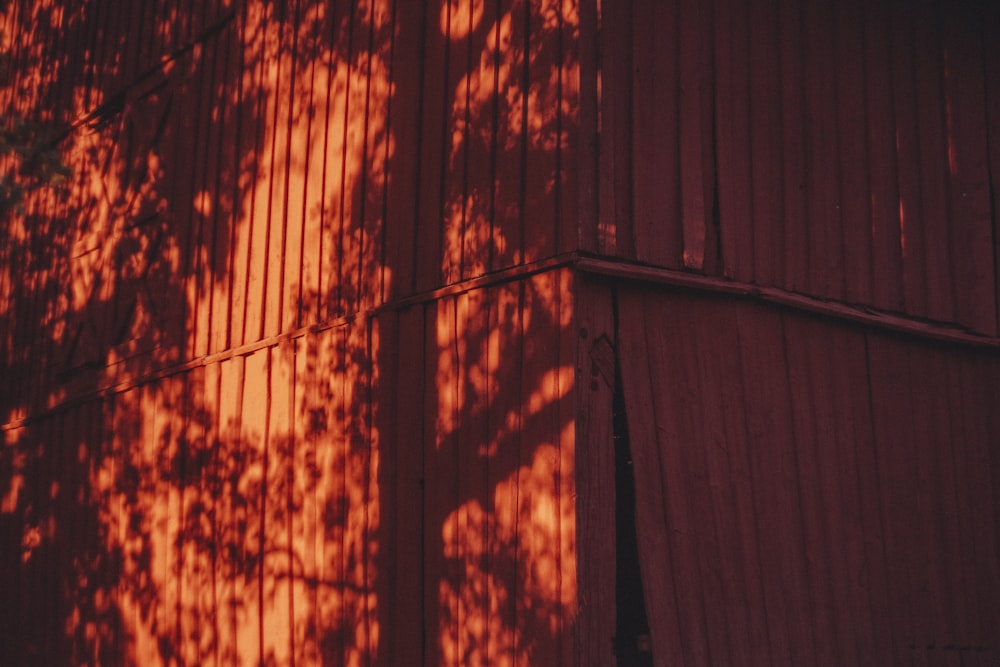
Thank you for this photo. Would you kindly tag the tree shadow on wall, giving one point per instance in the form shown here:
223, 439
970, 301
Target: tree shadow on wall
235, 172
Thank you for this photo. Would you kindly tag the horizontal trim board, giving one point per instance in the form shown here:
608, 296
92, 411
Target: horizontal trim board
597, 266
863, 315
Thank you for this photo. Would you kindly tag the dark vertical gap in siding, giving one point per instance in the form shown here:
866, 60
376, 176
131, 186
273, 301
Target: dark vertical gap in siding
632, 644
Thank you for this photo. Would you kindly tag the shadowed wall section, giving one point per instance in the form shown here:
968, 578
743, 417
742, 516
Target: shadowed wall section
845, 150
281, 220
809, 492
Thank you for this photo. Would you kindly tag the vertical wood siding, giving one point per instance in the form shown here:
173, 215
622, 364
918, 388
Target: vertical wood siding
215, 449
839, 149
808, 492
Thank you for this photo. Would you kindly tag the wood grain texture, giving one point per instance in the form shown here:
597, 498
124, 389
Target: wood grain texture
848, 449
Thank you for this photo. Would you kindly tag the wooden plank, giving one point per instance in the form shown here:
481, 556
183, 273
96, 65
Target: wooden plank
456, 25
241, 232
404, 196
932, 144
435, 97
306, 423
656, 144
470, 518
653, 532
566, 477
825, 222
312, 196
863, 610
278, 79
991, 78
775, 484
972, 257
327, 403
854, 200
930, 611
887, 260
807, 350
298, 153
793, 160
441, 484
732, 113
504, 425
763, 212
704, 465
214, 508
541, 126
223, 184
187, 484
407, 637
535, 533
697, 170
377, 127
961, 484
482, 29
904, 98
614, 234
359, 503
893, 431
587, 175
976, 389
204, 205
736, 528
569, 158
277, 557
332, 186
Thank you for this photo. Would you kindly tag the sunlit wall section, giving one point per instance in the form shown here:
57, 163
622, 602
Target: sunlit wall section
226, 514
478, 477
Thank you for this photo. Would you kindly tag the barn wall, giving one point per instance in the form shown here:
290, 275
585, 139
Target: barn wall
809, 492
844, 150
279, 221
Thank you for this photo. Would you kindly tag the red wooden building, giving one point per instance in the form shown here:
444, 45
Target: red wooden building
500, 332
